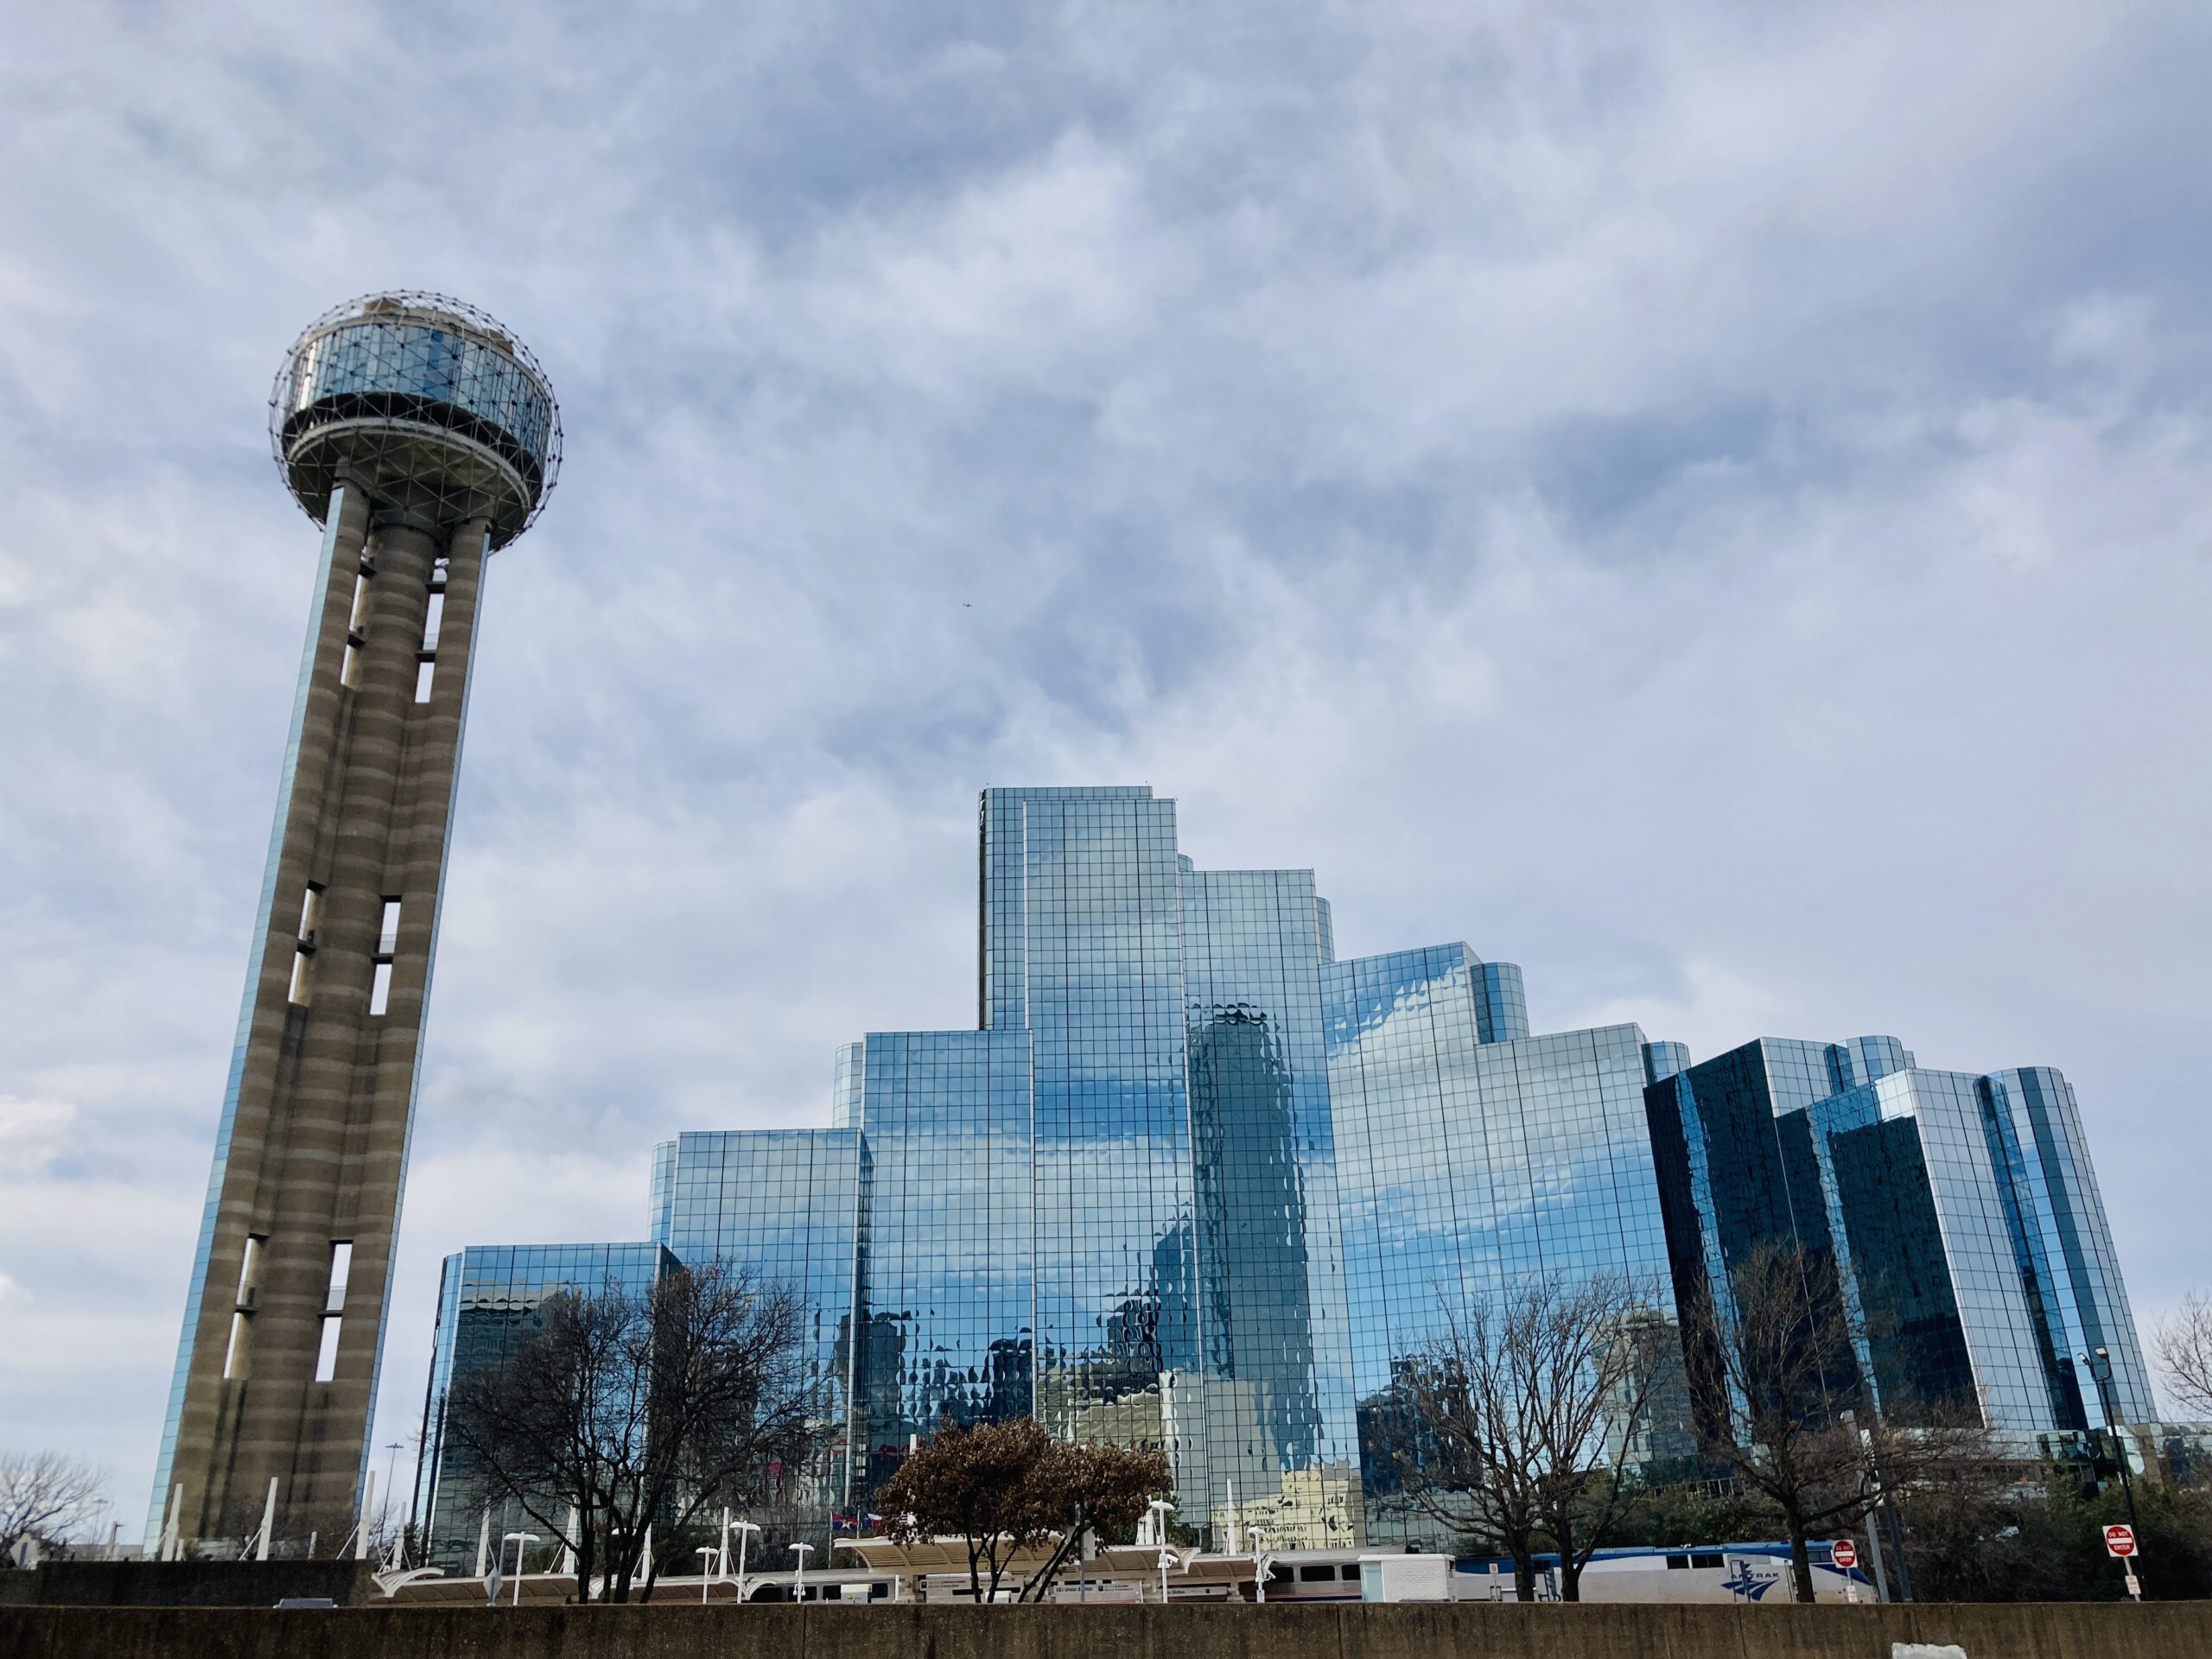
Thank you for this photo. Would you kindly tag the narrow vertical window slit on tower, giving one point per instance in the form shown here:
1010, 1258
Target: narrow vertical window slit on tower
302, 985
234, 1356
349, 671
380, 990
341, 1267
425, 669
249, 1272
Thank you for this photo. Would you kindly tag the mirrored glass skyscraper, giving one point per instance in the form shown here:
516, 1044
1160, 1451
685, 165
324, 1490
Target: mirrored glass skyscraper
784, 1205
943, 1310
1474, 1158
491, 1300
1195, 1184
1961, 1214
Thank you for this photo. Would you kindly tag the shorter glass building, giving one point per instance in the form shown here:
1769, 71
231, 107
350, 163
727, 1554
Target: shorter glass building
1473, 1158
491, 1300
785, 1206
942, 1306
1961, 1214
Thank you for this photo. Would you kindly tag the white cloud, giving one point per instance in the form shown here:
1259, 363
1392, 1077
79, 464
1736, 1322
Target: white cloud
32, 1133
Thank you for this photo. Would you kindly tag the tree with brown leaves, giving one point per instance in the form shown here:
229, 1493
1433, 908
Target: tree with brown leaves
1003, 1488
627, 1410
1095, 1490
972, 1483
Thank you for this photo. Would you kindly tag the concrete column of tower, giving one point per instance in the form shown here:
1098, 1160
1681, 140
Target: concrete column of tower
277, 1365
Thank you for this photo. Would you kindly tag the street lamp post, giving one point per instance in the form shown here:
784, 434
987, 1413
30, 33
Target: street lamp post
390, 1468
707, 1554
521, 1541
1160, 1508
798, 1579
2099, 1369
1874, 1510
741, 1528
1261, 1564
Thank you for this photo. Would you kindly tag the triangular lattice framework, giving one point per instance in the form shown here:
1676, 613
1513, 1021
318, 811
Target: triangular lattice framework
426, 402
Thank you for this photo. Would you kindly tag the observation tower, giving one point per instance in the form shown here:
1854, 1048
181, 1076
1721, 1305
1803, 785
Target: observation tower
421, 436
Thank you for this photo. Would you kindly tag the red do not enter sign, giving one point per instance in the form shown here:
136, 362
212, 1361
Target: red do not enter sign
1845, 1553
2119, 1540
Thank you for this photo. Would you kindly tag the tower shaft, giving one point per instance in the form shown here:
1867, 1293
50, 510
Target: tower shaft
277, 1367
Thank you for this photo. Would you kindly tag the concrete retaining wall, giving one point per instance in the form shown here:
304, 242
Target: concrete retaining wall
187, 1583
2074, 1631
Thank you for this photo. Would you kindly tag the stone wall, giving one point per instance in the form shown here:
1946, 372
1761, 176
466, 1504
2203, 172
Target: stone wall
2072, 1630
186, 1584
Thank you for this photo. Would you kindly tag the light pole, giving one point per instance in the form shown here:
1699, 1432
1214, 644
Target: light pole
521, 1541
741, 1528
1261, 1564
707, 1554
1160, 1508
798, 1579
1873, 1510
2099, 1369
390, 1464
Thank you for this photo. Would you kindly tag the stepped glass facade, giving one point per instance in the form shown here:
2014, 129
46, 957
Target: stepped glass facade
1194, 1184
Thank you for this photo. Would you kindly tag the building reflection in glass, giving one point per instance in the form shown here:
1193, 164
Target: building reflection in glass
1972, 1259
1473, 1157
1195, 1184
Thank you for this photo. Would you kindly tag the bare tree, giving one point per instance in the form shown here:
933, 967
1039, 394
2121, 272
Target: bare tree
629, 1410
45, 1497
2184, 1345
1521, 1415
1775, 1383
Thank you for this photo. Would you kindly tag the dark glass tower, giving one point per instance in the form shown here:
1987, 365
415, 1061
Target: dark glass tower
1960, 1213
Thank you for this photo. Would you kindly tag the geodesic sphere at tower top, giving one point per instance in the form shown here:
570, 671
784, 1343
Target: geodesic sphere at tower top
427, 403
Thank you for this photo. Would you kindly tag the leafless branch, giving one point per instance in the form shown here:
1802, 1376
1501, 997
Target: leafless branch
45, 1497
2185, 1347
1517, 1418
1780, 1404
630, 1409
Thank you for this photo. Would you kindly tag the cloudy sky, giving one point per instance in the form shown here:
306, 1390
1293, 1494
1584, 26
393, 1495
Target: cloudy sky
1709, 502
